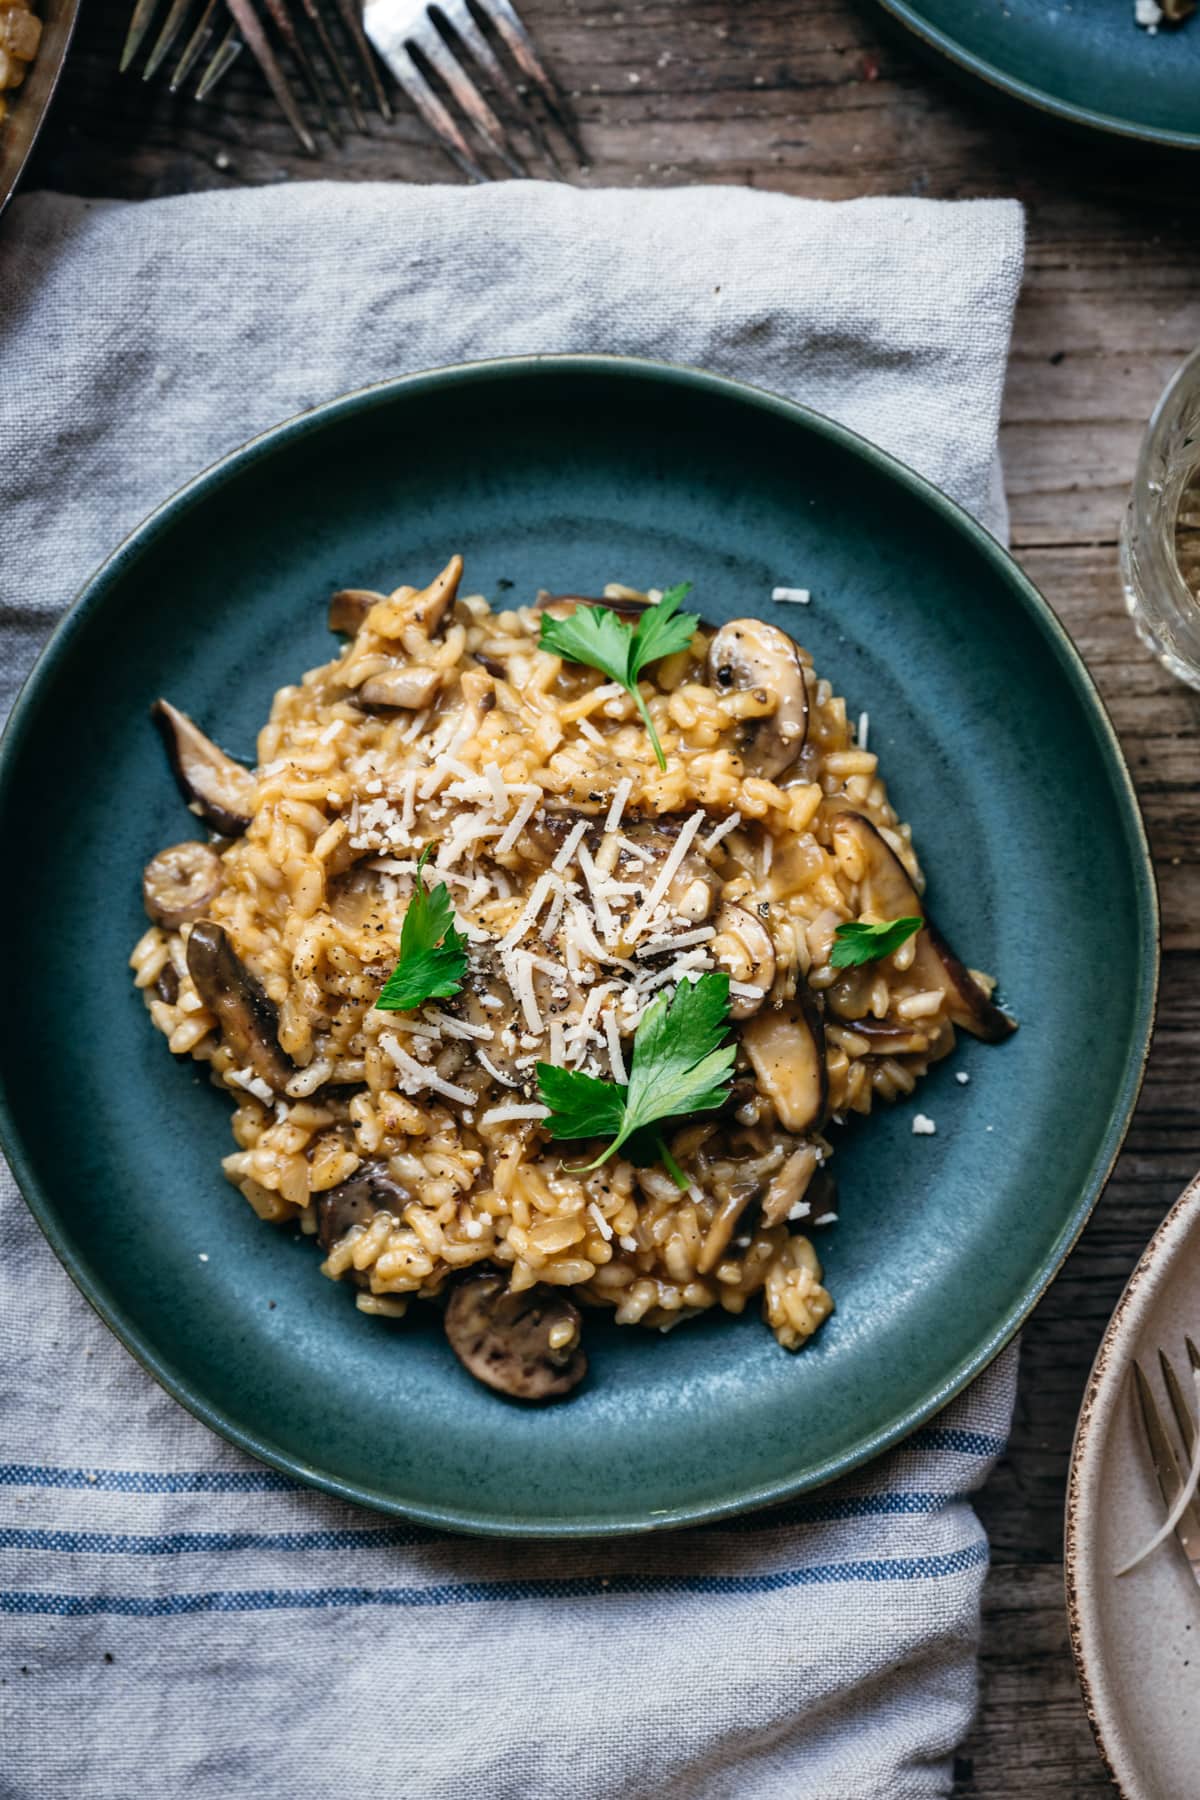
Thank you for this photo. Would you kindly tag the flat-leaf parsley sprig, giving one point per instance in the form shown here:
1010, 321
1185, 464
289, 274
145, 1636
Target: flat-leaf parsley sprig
601, 639
859, 943
681, 1065
433, 952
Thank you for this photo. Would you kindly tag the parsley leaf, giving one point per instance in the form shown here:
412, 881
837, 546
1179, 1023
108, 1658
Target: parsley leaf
858, 943
433, 952
680, 1065
601, 639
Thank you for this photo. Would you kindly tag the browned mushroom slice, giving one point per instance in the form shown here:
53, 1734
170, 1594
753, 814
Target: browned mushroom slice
694, 886
371, 1189
743, 948
409, 688
349, 607
525, 1344
178, 883
887, 891
217, 789
748, 656
248, 1020
822, 1199
786, 1047
426, 608
167, 985
789, 1188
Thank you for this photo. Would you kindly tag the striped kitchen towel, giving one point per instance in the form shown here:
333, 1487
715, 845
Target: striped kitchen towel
176, 1619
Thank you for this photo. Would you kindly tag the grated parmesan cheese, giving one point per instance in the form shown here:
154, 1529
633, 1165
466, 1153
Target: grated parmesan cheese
415, 1077
792, 596
620, 800
666, 875
722, 830
496, 1115
601, 1223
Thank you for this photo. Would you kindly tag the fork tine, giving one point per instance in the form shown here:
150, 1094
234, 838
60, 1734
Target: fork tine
333, 57
352, 19
225, 54
1193, 1353
521, 47
465, 28
172, 26
1160, 1444
247, 22
1179, 1406
291, 37
438, 54
139, 25
388, 38
194, 45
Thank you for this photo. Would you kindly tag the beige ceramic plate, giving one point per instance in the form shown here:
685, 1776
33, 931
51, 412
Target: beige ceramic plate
27, 108
1136, 1639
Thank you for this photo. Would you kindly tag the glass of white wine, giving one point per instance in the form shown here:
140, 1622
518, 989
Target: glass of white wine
1160, 538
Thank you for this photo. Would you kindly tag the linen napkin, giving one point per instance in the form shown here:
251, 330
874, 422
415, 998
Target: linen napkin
176, 1619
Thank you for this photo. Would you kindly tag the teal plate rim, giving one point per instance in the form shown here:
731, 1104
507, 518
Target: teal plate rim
225, 470
909, 16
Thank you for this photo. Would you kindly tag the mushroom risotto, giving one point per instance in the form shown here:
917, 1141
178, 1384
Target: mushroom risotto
538, 954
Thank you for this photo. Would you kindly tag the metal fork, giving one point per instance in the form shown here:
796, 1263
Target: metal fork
1162, 1451
447, 41
431, 49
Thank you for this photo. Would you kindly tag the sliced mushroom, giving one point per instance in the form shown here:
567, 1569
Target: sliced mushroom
248, 1020
724, 1220
426, 608
217, 789
410, 687
178, 883
743, 948
822, 1198
349, 607
747, 655
525, 1344
786, 1047
694, 886
167, 985
371, 1189
887, 891
789, 1187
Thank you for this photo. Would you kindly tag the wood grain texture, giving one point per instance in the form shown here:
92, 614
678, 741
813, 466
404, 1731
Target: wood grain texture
825, 98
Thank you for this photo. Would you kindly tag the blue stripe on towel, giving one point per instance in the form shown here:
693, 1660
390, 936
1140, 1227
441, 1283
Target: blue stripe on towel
473, 1593
186, 1543
258, 1481
150, 1481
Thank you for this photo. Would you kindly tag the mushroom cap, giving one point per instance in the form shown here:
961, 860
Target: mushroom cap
179, 882
217, 789
786, 1047
886, 889
743, 947
503, 1339
747, 655
371, 1189
248, 1020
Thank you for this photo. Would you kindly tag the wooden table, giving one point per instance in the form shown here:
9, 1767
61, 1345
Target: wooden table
823, 98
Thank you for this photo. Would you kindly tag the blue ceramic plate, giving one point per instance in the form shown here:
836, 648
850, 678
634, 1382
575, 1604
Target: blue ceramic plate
1086, 62
565, 472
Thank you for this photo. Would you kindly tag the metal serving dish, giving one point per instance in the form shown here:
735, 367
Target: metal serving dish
30, 103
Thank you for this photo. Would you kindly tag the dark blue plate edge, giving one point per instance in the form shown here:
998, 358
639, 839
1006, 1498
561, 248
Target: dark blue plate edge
910, 18
225, 470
